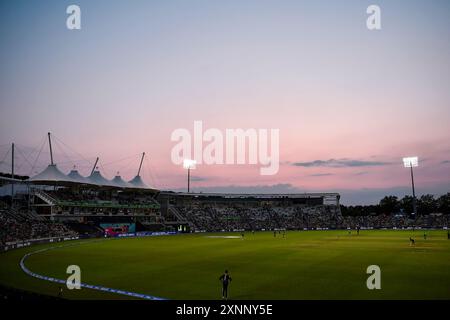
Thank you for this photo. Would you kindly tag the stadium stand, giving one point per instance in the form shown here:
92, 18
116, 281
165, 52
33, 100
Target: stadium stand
206, 214
13, 229
61, 212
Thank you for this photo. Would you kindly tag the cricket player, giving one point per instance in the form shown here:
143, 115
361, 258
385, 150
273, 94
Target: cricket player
225, 279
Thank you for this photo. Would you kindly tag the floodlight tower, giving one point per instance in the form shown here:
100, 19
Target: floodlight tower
189, 164
410, 162
12, 174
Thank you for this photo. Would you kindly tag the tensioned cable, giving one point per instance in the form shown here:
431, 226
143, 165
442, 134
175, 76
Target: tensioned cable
149, 174
153, 176
116, 161
24, 157
39, 154
70, 161
103, 169
126, 166
155, 179
33, 150
6, 155
71, 149
7, 152
7, 165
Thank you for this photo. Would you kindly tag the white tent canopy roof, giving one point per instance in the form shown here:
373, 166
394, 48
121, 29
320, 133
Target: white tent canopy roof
51, 174
137, 182
97, 178
119, 182
76, 176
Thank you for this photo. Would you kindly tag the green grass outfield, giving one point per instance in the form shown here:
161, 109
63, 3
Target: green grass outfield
304, 265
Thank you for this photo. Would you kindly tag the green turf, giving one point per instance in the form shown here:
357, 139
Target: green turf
305, 265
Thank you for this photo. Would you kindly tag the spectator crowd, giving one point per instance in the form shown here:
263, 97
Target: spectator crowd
321, 217
13, 229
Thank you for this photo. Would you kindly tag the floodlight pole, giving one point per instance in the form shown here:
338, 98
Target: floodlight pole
51, 151
413, 189
12, 173
189, 178
189, 164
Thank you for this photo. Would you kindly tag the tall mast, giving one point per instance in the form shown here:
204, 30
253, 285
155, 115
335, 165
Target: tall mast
414, 191
12, 172
51, 151
140, 166
95, 165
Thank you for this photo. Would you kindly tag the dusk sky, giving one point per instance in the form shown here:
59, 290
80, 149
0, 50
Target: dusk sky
349, 103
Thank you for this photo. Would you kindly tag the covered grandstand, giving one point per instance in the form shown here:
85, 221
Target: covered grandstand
53, 195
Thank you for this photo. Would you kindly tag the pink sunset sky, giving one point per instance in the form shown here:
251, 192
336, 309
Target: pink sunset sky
349, 103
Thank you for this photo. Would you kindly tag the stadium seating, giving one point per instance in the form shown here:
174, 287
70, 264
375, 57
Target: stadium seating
213, 217
14, 230
201, 214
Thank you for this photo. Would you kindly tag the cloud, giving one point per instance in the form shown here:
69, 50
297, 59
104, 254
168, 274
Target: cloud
198, 179
445, 162
361, 173
320, 174
340, 163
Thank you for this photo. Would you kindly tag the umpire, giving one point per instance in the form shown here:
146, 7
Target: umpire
225, 279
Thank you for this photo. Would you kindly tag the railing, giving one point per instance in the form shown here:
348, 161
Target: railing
177, 214
45, 196
86, 204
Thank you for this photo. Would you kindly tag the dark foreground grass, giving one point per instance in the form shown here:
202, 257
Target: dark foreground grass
304, 265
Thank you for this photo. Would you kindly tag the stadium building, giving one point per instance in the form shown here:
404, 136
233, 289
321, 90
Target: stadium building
93, 205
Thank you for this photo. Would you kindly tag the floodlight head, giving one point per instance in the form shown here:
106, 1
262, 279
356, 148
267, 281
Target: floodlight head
189, 164
409, 162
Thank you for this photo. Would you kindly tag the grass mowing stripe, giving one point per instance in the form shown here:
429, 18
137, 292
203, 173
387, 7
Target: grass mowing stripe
83, 285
